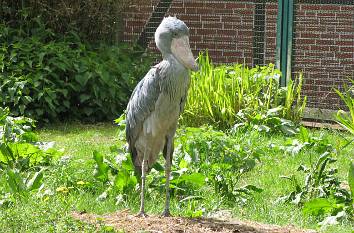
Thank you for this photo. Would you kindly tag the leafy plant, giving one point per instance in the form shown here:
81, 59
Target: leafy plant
221, 159
306, 140
219, 93
48, 76
19, 184
344, 119
97, 20
269, 121
321, 194
117, 173
22, 157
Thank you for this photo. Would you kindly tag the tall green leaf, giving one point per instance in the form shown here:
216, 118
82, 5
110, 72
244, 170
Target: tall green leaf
351, 178
101, 168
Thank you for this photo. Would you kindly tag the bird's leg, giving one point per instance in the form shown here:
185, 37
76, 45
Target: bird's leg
142, 193
168, 157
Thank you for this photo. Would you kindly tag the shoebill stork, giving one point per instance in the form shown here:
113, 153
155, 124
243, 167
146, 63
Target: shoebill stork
157, 101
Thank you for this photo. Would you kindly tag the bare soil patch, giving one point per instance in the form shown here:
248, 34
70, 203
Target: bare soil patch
128, 222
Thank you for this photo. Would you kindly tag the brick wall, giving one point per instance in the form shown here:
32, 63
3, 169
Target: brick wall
323, 50
135, 18
323, 45
270, 32
224, 28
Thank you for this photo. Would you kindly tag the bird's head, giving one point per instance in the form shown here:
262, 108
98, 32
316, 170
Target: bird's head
172, 36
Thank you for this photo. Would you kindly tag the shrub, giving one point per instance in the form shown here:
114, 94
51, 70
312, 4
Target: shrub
47, 76
97, 20
219, 93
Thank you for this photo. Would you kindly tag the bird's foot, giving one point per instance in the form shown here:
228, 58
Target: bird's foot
166, 213
142, 214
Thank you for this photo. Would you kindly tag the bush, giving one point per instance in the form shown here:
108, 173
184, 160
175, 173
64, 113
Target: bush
225, 95
97, 20
47, 76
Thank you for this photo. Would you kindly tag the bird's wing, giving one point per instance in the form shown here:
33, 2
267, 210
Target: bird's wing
142, 103
184, 98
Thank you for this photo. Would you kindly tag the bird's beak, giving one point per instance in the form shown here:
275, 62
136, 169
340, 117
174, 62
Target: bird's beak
181, 50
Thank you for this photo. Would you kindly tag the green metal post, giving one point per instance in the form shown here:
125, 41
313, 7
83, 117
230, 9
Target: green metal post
289, 41
279, 32
284, 44
284, 39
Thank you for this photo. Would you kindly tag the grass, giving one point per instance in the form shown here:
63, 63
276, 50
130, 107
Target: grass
53, 214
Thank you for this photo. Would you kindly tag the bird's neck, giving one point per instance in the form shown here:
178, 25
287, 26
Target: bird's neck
172, 58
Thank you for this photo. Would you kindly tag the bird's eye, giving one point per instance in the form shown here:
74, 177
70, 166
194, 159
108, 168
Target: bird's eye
174, 34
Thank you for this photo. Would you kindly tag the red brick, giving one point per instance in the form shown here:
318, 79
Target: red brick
346, 8
312, 7
347, 49
190, 17
216, 25
233, 5
191, 10
330, 36
345, 15
271, 6
232, 53
206, 31
344, 43
345, 55
309, 35
210, 18
327, 14
324, 42
229, 46
330, 7
223, 11
305, 41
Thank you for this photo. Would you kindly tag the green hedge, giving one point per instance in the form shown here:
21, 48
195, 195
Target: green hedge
48, 77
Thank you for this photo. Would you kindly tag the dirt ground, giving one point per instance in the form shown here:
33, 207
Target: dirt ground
128, 222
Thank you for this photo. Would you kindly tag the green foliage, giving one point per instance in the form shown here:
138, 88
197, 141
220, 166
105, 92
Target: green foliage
321, 193
49, 76
97, 20
351, 178
226, 95
69, 185
115, 172
203, 158
269, 121
22, 157
305, 141
220, 158
101, 169
344, 119
18, 184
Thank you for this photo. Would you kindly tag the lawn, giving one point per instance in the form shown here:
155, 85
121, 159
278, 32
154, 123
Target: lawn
71, 186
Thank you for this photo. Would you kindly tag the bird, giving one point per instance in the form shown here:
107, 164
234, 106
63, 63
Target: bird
157, 102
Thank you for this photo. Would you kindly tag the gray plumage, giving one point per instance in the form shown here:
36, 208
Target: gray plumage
158, 100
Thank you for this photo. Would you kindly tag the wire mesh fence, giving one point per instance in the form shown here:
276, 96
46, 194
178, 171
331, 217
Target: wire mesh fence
246, 32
